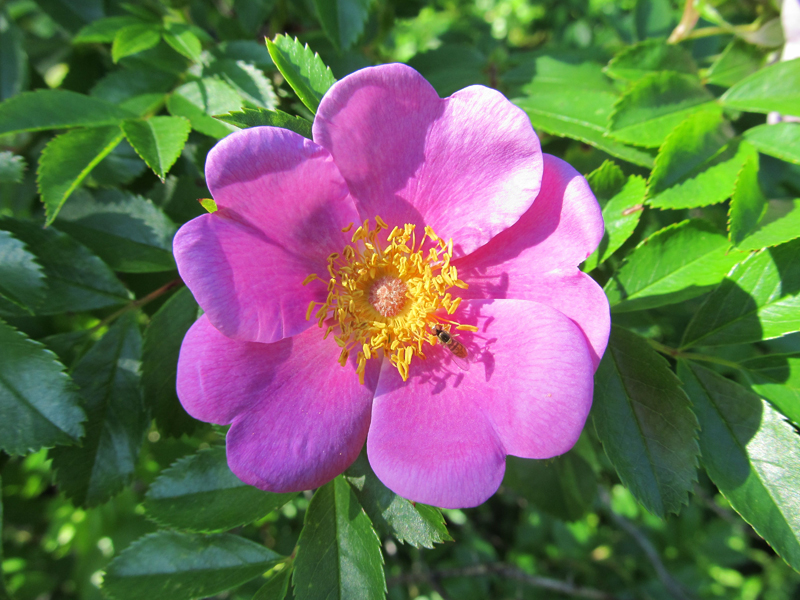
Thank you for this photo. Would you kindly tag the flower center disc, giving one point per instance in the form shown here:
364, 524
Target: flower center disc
384, 294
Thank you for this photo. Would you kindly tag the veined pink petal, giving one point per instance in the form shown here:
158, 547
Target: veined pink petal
282, 205
468, 165
561, 229
569, 291
299, 419
440, 438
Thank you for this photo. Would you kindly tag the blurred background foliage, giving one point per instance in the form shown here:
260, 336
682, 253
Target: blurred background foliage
559, 528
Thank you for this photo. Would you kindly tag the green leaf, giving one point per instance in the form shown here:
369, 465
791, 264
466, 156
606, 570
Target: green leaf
200, 493
698, 163
208, 204
134, 39
21, 276
780, 224
776, 87
738, 60
302, 69
200, 100
634, 62
343, 20
781, 140
249, 117
682, 261
338, 553
581, 115
563, 487
103, 31
162, 344
653, 106
12, 167
68, 159
759, 300
130, 233
416, 524
776, 377
13, 60
748, 203
168, 565
249, 82
76, 279
751, 454
451, 67
277, 587
645, 422
126, 87
622, 201
158, 140
39, 406
108, 378
183, 40
56, 109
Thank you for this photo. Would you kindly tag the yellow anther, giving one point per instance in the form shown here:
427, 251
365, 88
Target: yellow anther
309, 279
311, 306
348, 228
467, 328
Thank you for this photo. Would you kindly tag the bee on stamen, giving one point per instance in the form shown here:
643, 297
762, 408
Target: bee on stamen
457, 350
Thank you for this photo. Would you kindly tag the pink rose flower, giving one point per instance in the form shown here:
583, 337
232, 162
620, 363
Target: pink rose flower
330, 263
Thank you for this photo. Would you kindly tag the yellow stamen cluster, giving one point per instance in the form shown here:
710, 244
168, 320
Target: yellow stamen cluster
384, 295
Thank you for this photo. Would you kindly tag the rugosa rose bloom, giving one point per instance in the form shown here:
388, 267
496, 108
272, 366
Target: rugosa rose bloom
331, 265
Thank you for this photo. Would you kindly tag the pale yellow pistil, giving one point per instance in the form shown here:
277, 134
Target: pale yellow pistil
384, 294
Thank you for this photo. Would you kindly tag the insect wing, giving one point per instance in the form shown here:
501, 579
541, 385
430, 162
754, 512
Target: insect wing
461, 362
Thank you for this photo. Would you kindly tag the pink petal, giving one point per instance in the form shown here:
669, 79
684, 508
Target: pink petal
282, 205
468, 165
440, 438
569, 291
561, 229
299, 419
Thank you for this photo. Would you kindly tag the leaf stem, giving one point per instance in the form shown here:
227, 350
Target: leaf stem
689, 19
139, 302
675, 353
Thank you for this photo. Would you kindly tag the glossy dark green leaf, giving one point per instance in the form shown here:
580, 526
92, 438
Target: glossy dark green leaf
622, 201
200, 100
638, 60
39, 404
134, 39
128, 232
737, 61
776, 87
249, 117
162, 344
68, 159
678, 262
13, 60
653, 106
415, 524
645, 422
276, 588
564, 486
21, 277
302, 69
57, 109
698, 164
776, 377
133, 88
751, 454
452, 67
168, 565
200, 493
338, 553
759, 300
343, 20
781, 140
104, 30
76, 279
108, 378
748, 203
158, 140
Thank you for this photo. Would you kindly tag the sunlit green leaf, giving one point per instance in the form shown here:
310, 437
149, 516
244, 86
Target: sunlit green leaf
158, 140
781, 140
302, 68
748, 203
776, 87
